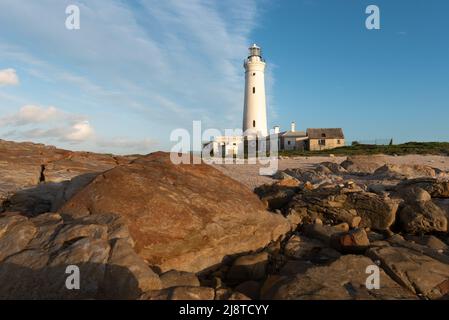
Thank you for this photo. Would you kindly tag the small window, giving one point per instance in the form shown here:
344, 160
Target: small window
338, 141
322, 142
254, 123
254, 89
254, 73
323, 135
288, 142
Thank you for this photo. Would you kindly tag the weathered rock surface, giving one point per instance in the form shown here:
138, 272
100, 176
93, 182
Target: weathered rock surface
419, 273
363, 164
36, 175
35, 253
174, 278
353, 241
422, 217
335, 205
303, 248
341, 280
180, 293
250, 289
435, 187
392, 171
275, 196
249, 267
183, 217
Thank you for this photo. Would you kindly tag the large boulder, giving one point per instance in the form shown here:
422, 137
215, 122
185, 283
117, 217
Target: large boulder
186, 217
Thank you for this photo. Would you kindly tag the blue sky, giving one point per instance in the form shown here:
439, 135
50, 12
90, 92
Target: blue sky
136, 70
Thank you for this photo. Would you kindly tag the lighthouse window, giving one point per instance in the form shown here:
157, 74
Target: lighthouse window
254, 123
254, 89
254, 73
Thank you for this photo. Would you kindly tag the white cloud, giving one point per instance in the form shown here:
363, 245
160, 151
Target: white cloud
31, 114
162, 64
80, 131
8, 77
50, 124
33, 121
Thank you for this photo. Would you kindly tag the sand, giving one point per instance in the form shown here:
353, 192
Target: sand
249, 174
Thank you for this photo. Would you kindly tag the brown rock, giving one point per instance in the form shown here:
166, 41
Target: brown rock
250, 289
180, 293
335, 168
335, 205
174, 278
23, 166
275, 196
343, 227
343, 279
354, 241
222, 293
436, 188
306, 249
16, 236
430, 241
288, 183
238, 296
183, 217
422, 217
294, 267
419, 273
127, 276
249, 267
363, 164
394, 171
355, 222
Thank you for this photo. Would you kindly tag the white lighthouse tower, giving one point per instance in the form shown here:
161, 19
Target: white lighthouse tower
255, 109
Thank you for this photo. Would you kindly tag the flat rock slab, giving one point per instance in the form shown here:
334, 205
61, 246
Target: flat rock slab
344, 279
418, 272
185, 217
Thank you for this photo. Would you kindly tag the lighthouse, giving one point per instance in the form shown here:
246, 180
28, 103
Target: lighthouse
255, 109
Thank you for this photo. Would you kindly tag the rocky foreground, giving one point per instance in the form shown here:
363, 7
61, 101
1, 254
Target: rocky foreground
143, 228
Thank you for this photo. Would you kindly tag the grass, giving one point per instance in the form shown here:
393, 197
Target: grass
433, 148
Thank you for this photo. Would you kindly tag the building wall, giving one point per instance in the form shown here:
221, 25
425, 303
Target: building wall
255, 104
329, 144
295, 143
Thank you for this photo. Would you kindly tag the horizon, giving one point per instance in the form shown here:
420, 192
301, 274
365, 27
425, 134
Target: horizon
134, 72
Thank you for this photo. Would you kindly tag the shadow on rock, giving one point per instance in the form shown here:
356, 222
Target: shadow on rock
96, 281
47, 196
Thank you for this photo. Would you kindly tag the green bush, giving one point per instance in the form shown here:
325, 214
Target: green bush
433, 148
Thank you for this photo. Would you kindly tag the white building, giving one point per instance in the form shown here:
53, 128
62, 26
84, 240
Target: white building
255, 109
254, 106
255, 118
292, 139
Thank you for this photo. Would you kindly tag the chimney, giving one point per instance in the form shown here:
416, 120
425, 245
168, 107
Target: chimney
276, 129
293, 126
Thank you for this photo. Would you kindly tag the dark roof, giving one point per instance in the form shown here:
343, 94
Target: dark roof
325, 133
293, 134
